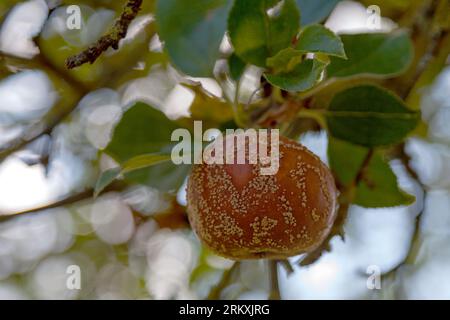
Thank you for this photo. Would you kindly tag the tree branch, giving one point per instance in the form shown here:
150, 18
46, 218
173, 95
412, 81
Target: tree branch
111, 39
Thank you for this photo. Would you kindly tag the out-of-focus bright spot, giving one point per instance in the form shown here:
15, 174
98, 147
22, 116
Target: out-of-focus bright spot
25, 96
136, 27
116, 282
254, 295
170, 258
25, 240
427, 278
431, 161
93, 24
155, 44
352, 17
316, 143
100, 125
178, 102
21, 25
21, 186
210, 85
153, 89
334, 276
436, 217
9, 133
146, 200
49, 280
182, 194
112, 219
435, 107
137, 248
11, 291
253, 275
219, 262
100, 110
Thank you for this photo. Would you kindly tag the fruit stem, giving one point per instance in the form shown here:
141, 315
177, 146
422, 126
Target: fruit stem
274, 282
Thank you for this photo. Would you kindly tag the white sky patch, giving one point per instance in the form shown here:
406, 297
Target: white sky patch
22, 24
21, 186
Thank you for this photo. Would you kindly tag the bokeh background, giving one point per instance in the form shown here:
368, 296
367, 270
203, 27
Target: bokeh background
135, 244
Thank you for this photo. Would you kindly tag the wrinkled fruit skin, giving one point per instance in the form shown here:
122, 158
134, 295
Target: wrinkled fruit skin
240, 214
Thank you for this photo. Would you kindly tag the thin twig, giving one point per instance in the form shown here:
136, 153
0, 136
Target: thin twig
224, 282
274, 281
67, 201
109, 40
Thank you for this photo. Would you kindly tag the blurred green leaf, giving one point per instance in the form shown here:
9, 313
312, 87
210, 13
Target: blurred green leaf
257, 36
314, 11
345, 167
302, 77
142, 130
318, 39
373, 54
370, 116
144, 161
145, 130
285, 60
211, 110
377, 187
106, 178
237, 67
136, 163
192, 32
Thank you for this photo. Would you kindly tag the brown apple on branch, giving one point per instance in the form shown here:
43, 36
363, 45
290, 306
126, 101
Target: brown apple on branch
240, 213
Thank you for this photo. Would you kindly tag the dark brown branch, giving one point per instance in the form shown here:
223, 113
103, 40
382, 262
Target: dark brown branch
111, 39
67, 201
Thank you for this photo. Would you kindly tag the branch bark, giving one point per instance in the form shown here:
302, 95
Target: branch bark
111, 39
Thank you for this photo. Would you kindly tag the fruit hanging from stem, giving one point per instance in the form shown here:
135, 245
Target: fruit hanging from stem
240, 213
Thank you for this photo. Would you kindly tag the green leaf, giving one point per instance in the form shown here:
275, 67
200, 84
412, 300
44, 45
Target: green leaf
136, 163
380, 55
345, 167
257, 36
106, 178
370, 116
144, 161
303, 77
314, 11
379, 187
192, 32
237, 67
144, 130
318, 39
285, 60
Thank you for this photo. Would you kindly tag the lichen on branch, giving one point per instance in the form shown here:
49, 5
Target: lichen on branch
111, 39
